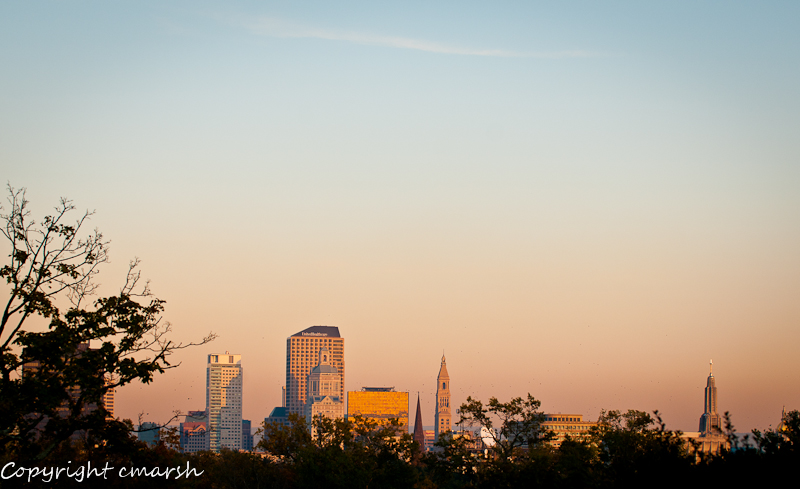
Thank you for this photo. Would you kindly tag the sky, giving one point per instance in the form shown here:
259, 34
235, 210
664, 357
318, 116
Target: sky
585, 201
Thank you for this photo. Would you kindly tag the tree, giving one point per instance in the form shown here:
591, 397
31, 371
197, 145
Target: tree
635, 447
511, 425
783, 440
354, 452
52, 382
515, 439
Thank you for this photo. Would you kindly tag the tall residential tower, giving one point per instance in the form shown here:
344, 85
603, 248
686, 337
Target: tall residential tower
302, 354
443, 416
224, 401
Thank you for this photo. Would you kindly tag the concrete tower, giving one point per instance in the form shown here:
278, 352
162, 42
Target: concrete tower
443, 416
224, 401
710, 421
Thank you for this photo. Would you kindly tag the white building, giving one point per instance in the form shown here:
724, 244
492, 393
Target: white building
324, 385
224, 401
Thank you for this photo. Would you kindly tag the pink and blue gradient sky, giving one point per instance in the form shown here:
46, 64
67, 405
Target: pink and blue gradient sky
585, 201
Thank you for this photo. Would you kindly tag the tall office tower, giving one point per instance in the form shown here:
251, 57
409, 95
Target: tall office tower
419, 430
324, 387
224, 401
443, 417
302, 353
710, 421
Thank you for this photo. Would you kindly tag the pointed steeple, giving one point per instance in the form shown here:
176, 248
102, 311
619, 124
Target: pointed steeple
419, 430
710, 421
443, 370
443, 416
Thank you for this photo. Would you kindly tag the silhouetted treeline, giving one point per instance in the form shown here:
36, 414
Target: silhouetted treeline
632, 449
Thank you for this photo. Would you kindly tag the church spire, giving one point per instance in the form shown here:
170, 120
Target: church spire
419, 429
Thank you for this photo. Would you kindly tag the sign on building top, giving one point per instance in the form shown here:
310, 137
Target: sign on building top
320, 331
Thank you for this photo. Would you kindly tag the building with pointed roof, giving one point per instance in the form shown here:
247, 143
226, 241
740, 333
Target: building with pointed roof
710, 421
710, 438
419, 430
444, 419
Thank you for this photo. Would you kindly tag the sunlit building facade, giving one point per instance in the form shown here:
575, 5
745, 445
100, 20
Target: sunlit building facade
379, 404
194, 436
710, 438
567, 425
302, 354
109, 398
224, 377
443, 417
324, 387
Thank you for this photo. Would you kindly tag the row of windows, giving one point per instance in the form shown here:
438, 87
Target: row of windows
561, 418
567, 427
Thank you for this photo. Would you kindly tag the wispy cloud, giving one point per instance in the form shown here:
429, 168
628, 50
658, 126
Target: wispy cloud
272, 27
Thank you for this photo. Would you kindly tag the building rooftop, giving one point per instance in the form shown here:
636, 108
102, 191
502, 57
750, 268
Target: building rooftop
377, 389
320, 331
278, 412
324, 369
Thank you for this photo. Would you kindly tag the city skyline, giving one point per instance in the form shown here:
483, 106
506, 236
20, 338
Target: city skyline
711, 423
584, 202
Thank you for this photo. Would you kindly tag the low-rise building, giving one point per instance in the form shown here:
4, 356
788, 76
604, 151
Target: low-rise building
194, 436
567, 425
379, 404
148, 432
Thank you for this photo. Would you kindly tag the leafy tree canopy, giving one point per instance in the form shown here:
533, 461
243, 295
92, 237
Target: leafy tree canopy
52, 381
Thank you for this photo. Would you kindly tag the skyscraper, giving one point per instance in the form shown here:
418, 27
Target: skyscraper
710, 438
443, 417
710, 421
302, 354
224, 401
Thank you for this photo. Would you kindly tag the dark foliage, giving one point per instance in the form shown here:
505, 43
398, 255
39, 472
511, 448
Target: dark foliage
53, 379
